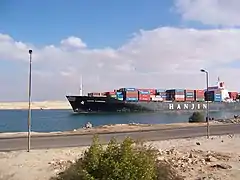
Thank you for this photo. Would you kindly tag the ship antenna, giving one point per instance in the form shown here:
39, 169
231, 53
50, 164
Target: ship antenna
81, 86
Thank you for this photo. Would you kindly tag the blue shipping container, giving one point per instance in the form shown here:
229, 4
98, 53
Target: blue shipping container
144, 92
161, 90
130, 89
217, 97
179, 90
131, 99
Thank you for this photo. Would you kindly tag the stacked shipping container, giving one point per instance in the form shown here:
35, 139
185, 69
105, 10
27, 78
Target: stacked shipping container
144, 95
199, 95
119, 96
161, 94
213, 96
180, 95
189, 95
176, 95
233, 95
130, 94
111, 94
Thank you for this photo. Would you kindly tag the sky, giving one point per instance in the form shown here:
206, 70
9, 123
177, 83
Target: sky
114, 44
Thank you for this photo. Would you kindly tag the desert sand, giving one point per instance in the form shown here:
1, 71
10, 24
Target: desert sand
214, 158
36, 105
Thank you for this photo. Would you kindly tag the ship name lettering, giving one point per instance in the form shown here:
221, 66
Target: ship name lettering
187, 106
171, 106
178, 106
204, 106
198, 106
193, 106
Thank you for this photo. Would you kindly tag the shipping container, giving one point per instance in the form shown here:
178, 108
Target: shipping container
213, 96
158, 99
233, 95
131, 99
199, 95
151, 91
144, 98
161, 90
110, 93
175, 95
129, 89
180, 99
161, 93
144, 92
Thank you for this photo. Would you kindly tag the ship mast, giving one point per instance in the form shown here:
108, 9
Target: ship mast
81, 86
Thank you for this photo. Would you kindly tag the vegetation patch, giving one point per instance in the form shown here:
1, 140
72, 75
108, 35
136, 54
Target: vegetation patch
129, 160
197, 117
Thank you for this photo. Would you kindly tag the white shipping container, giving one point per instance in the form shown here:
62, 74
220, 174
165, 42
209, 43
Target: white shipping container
157, 98
179, 96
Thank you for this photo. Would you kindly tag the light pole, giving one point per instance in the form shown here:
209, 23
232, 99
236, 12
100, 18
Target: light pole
202, 70
29, 98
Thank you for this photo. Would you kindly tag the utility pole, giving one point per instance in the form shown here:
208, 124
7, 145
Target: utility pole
207, 82
29, 99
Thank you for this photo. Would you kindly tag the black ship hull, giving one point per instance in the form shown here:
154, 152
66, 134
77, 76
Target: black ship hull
86, 104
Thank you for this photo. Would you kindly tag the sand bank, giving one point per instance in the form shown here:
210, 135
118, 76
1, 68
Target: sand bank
215, 158
36, 105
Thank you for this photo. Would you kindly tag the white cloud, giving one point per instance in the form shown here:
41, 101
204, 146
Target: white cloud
210, 12
163, 57
73, 42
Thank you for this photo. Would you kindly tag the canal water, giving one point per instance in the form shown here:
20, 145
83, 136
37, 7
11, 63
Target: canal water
62, 120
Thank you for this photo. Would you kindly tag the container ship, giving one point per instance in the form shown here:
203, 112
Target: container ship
153, 100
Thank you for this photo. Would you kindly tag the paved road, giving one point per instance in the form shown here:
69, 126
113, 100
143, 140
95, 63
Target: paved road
10, 144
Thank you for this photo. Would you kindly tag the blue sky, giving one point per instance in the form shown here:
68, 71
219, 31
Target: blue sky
156, 43
99, 23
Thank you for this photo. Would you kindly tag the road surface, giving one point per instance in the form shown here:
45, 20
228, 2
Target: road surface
20, 143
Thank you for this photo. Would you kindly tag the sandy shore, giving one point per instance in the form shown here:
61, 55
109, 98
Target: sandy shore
109, 129
216, 158
36, 105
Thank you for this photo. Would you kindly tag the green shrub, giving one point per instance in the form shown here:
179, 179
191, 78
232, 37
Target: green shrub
128, 160
196, 117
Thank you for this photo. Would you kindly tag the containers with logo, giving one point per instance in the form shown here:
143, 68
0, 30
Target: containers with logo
161, 94
151, 91
144, 95
130, 94
175, 95
199, 95
189, 95
214, 96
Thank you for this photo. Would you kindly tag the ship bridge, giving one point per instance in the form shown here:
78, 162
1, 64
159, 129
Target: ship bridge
220, 86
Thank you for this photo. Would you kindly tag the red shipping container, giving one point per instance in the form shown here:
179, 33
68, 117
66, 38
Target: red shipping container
199, 93
145, 95
110, 93
152, 91
144, 99
233, 95
180, 99
190, 99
